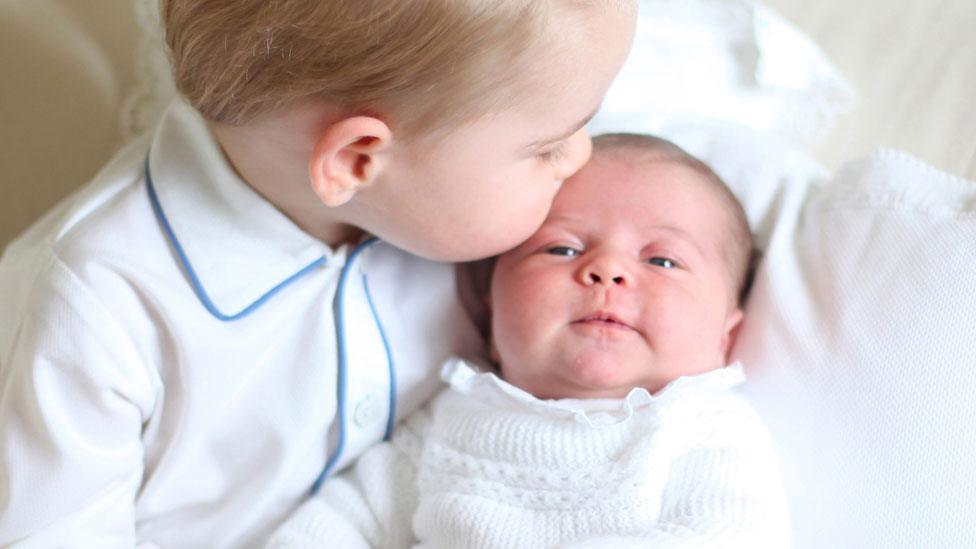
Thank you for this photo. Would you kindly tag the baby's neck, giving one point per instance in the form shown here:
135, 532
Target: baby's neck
272, 158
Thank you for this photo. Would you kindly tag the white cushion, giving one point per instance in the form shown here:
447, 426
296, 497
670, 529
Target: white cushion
861, 337
730, 60
912, 63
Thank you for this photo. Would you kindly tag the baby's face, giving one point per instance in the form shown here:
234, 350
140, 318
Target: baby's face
623, 286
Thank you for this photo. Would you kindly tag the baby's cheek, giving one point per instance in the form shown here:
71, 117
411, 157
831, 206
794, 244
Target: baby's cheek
525, 302
520, 331
521, 324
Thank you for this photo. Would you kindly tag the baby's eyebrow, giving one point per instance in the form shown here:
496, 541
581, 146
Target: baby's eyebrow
683, 235
543, 142
676, 230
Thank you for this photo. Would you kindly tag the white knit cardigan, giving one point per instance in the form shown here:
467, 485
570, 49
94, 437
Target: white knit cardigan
487, 465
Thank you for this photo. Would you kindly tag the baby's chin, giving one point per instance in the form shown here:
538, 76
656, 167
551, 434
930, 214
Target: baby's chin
584, 378
597, 381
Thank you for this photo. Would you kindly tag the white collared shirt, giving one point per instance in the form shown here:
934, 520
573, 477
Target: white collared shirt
169, 354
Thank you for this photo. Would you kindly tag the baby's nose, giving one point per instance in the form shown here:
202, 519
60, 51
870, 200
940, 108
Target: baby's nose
596, 278
604, 271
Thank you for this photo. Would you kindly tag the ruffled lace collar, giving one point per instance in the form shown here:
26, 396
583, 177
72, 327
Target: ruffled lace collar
477, 382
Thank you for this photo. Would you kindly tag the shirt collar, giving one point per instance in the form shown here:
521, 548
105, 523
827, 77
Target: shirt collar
236, 248
477, 382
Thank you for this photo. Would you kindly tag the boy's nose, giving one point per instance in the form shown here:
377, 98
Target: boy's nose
579, 148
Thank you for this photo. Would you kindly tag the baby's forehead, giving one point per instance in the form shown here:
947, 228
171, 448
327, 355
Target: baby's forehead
643, 160
711, 199
654, 169
685, 204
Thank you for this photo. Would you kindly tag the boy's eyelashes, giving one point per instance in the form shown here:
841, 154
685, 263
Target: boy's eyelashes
552, 153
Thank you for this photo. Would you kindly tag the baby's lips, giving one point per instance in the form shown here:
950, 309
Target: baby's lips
606, 317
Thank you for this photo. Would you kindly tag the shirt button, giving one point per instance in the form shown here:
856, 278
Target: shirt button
367, 410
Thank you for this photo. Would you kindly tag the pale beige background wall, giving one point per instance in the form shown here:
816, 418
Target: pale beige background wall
913, 63
65, 67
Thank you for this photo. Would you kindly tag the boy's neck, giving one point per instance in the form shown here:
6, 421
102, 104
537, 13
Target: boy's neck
272, 158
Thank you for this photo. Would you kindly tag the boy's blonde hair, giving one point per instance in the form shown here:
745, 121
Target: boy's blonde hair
419, 63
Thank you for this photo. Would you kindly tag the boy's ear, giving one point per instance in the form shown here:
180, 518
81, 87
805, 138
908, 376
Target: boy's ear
730, 332
347, 156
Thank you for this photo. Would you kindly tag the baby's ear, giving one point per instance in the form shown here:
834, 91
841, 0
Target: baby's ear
346, 157
474, 289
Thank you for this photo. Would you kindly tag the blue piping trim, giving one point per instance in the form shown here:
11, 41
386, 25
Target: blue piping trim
389, 362
339, 306
192, 275
340, 314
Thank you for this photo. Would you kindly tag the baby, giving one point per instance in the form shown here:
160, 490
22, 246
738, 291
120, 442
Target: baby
611, 419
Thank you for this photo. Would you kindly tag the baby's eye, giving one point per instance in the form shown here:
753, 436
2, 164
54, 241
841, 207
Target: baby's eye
565, 251
663, 262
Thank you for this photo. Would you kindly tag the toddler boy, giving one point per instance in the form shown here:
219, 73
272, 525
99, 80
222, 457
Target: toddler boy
194, 339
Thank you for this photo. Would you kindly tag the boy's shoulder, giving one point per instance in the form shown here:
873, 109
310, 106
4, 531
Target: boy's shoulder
56, 294
97, 221
58, 227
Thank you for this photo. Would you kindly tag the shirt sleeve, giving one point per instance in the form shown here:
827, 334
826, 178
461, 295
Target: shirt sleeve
370, 505
74, 395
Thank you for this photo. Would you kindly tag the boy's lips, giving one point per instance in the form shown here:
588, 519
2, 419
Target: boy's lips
605, 319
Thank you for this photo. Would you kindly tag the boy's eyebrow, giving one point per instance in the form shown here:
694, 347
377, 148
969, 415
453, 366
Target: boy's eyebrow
576, 128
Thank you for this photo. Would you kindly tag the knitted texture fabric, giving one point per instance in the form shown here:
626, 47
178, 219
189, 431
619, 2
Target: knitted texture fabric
486, 465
